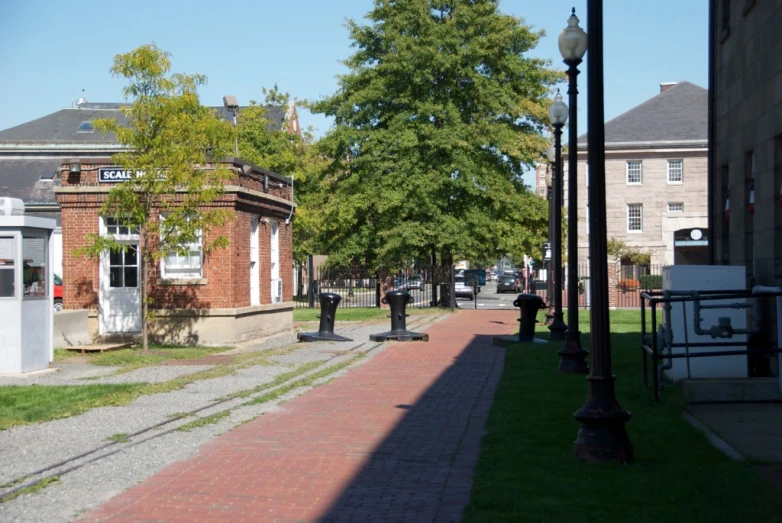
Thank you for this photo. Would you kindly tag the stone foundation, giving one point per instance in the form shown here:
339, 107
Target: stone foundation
209, 327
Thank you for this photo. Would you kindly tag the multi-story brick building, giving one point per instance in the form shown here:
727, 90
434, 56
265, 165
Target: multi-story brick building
656, 159
222, 296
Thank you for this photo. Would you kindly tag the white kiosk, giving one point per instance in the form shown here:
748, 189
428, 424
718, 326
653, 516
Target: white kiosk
26, 318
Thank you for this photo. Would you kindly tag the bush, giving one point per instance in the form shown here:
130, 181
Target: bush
651, 281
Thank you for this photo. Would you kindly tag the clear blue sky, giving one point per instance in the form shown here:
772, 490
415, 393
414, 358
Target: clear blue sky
52, 49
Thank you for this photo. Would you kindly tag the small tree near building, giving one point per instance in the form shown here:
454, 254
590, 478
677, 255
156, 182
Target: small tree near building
171, 142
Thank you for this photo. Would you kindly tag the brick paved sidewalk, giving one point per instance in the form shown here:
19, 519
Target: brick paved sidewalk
395, 439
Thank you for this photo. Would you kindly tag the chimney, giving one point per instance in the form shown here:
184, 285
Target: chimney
666, 85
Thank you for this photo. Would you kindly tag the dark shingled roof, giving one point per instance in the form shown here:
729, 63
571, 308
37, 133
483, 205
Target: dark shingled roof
63, 126
678, 114
22, 179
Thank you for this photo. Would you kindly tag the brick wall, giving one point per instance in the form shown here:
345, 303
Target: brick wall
226, 272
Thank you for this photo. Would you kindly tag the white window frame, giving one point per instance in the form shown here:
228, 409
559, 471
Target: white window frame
672, 170
116, 229
676, 207
640, 172
630, 208
274, 258
181, 269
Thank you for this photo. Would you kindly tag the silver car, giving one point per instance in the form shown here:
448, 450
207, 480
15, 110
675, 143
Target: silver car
462, 289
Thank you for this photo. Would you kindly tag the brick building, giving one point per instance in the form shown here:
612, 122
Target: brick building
226, 295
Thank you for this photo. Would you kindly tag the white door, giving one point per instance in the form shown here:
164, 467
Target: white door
255, 288
275, 260
120, 273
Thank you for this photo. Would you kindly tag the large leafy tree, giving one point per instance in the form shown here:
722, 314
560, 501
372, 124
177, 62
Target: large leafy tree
437, 118
170, 139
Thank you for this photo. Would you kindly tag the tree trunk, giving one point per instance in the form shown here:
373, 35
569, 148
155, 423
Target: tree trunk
144, 288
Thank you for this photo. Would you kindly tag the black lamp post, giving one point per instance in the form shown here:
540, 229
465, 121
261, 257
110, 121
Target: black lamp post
602, 436
549, 194
572, 45
557, 113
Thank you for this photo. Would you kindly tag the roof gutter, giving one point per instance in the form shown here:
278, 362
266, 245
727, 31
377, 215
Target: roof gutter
678, 144
50, 147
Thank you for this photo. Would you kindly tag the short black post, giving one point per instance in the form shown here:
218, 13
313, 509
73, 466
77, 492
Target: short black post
310, 283
329, 302
529, 305
398, 300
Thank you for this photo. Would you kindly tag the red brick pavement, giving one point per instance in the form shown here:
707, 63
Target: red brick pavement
395, 439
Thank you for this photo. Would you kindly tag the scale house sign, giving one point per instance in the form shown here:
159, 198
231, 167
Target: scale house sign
117, 174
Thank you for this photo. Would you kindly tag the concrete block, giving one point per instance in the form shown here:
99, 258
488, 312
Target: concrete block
70, 328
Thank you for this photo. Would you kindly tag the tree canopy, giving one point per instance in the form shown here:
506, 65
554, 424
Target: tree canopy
435, 122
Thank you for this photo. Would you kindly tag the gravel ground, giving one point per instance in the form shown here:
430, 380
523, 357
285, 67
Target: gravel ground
26, 449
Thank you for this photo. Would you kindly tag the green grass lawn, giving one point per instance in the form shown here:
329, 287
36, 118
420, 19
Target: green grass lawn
527, 472
23, 404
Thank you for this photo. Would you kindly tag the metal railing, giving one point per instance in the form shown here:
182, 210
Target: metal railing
658, 342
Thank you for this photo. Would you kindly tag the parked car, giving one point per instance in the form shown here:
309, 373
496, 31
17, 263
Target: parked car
462, 289
415, 282
508, 282
57, 293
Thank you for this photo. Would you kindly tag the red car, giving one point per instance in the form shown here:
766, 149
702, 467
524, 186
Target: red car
57, 293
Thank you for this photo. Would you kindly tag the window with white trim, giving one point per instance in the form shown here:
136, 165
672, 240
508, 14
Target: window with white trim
118, 227
675, 171
634, 172
184, 263
676, 207
635, 212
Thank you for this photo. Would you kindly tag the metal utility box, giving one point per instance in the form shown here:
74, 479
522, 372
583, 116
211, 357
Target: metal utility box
705, 278
26, 302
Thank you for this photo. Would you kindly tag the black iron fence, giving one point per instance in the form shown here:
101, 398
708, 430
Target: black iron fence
362, 287
625, 283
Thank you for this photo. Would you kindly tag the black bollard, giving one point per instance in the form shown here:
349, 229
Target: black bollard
398, 301
529, 305
328, 308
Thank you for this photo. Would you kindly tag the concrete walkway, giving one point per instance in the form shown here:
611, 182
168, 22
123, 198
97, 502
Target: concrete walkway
395, 439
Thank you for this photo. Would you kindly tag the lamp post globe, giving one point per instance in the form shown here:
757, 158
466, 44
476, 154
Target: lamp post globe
558, 114
572, 39
572, 46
